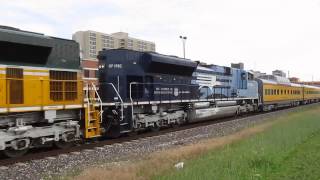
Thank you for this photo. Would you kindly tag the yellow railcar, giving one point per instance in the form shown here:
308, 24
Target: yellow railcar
277, 92
311, 93
274, 92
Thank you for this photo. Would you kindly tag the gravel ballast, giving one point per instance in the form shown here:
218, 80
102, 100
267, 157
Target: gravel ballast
74, 162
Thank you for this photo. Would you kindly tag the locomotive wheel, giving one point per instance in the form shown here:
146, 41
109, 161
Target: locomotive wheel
114, 132
155, 128
132, 133
63, 144
12, 153
175, 125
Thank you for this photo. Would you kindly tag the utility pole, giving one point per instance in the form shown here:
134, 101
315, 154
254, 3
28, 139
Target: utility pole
184, 39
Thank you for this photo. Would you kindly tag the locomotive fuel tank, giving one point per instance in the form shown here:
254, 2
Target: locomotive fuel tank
197, 115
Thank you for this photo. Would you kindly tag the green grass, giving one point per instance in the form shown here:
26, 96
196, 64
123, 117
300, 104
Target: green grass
290, 149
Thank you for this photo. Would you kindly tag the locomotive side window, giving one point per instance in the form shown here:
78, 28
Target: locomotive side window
15, 85
63, 85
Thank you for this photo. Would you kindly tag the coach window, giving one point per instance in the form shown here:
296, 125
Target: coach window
265, 91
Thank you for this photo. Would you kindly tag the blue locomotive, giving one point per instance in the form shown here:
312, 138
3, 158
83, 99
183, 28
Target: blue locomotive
147, 90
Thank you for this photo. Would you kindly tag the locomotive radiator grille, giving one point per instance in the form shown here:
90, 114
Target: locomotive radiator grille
15, 85
63, 86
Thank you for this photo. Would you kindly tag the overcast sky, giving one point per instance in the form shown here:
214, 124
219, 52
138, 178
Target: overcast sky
264, 34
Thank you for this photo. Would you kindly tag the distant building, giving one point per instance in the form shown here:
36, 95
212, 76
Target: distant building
294, 79
90, 71
237, 65
257, 74
279, 73
311, 83
91, 42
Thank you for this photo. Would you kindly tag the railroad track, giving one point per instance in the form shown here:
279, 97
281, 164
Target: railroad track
49, 152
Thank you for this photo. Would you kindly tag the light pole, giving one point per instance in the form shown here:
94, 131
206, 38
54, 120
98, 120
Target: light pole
184, 39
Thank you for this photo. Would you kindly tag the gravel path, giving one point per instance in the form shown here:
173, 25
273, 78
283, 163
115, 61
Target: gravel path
74, 162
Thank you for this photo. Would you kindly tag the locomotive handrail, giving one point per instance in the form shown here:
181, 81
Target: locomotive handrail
88, 104
100, 101
114, 88
130, 96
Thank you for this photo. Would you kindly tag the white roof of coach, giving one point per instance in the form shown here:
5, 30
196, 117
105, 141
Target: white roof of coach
314, 87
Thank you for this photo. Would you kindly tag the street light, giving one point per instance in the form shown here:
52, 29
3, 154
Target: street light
184, 39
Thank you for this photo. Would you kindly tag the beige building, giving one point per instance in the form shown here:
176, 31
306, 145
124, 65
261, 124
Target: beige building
91, 42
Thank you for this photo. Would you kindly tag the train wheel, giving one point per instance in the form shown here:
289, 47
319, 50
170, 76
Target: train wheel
132, 133
114, 132
12, 153
155, 128
63, 144
66, 142
175, 125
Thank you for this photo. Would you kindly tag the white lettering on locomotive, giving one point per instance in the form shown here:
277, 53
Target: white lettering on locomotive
173, 91
115, 66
